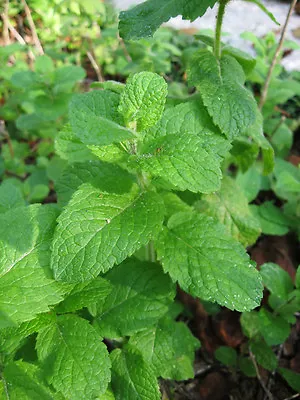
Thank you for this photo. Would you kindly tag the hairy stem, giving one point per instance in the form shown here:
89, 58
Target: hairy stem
274, 61
220, 15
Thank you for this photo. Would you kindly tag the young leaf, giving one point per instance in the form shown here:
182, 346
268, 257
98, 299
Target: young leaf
132, 377
10, 197
73, 358
99, 229
230, 207
198, 253
220, 83
26, 288
169, 347
140, 294
276, 280
25, 381
94, 118
274, 329
144, 19
182, 161
272, 220
143, 99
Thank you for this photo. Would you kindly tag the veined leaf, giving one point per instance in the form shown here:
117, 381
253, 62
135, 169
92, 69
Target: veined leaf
143, 99
98, 229
206, 262
182, 161
73, 358
140, 294
132, 377
169, 347
94, 118
144, 19
230, 207
25, 381
221, 86
26, 287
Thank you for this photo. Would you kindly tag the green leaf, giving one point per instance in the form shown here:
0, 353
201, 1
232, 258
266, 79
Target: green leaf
25, 381
271, 219
292, 378
74, 360
220, 83
250, 323
182, 161
244, 59
274, 329
297, 279
98, 229
44, 65
109, 178
26, 287
132, 377
264, 355
264, 9
250, 182
256, 132
10, 197
94, 118
287, 179
247, 367
144, 19
66, 77
191, 118
169, 347
226, 355
230, 207
140, 294
11, 337
143, 99
113, 86
198, 253
276, 280
85, 294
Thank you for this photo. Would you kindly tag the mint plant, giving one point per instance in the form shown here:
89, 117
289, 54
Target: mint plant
145, 202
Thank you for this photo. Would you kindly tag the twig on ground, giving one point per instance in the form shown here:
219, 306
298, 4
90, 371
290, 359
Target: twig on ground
274, 61
4, 16
35, 37
295, 396
262, 383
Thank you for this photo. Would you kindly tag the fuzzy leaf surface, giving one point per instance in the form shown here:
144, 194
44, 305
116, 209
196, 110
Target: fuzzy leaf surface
73, 358
221, 86
140, 295
144, 19
206, 262
143, 99
98, 229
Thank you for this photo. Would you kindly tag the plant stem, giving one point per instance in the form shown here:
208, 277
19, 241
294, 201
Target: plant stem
262, 383
35, 37
220, 15
274, 61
